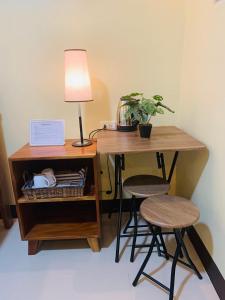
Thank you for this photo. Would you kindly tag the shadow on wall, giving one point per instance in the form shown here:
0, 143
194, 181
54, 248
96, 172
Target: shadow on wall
206, 235
189, 170
97, 110
4, 174
190, 166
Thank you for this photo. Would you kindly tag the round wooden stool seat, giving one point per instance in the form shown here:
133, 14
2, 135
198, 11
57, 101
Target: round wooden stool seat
146, 185
169, 211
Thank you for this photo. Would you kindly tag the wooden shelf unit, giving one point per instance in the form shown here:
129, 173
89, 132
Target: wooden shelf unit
57, 218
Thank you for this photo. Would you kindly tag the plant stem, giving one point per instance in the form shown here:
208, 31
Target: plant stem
166, 107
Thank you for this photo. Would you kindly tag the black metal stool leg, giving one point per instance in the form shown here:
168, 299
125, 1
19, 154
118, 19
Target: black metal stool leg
145, 261
180, 245
175, 259
182, 235
163, 244
181, 253
130, 218
157, 241
134, 206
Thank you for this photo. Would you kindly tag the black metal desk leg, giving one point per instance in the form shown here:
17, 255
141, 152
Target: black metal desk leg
173, 166
115, 185
116, 178
163, 167
119, 159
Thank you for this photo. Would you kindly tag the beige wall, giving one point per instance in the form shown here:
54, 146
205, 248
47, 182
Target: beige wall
202, 115
133, 45
5, 186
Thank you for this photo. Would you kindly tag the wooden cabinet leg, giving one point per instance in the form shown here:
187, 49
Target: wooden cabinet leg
94, 244
33, 247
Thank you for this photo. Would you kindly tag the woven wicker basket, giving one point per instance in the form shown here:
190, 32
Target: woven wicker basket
52, 192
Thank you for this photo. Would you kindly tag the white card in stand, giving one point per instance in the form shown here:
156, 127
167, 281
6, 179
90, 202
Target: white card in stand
47, 132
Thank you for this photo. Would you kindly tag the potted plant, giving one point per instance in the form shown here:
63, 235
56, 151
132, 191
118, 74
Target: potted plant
141, 109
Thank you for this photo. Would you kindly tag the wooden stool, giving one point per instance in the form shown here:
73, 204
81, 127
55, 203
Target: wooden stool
142, 186
145, 186
175, 213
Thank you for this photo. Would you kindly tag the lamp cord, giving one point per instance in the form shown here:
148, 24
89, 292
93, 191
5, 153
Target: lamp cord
94, 132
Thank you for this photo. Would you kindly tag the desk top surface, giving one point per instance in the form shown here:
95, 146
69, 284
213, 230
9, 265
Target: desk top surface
163, 138
67, 151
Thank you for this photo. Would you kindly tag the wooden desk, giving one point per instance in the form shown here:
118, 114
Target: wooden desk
163, 138
57, 218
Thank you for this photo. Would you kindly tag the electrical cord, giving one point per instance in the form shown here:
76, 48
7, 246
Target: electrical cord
95, 132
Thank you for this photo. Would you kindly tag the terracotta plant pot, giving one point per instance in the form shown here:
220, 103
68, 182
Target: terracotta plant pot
145, 130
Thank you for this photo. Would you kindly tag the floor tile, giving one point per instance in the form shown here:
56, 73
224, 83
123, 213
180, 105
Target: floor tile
70, 270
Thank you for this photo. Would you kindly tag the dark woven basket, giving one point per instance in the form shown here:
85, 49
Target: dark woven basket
52, 192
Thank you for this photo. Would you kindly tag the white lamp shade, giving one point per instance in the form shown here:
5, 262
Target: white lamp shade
77, 80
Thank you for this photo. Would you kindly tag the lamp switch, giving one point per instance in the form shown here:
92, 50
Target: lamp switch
110, 125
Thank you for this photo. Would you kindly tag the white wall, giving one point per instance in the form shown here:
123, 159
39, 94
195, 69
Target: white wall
203, 116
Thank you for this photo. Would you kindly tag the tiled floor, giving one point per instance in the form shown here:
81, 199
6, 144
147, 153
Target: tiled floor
69, 270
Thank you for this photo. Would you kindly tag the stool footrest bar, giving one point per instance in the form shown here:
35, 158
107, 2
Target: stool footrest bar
146, 245
182, 262
139, 226
131, 235
179, 260
156, 281
167, 232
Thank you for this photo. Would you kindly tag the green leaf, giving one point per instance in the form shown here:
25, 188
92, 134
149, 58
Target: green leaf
166, 107
131, 96
159, 110
136, 94
141, 108
157, 98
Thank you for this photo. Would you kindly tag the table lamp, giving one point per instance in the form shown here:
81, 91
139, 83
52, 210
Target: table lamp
77, 84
